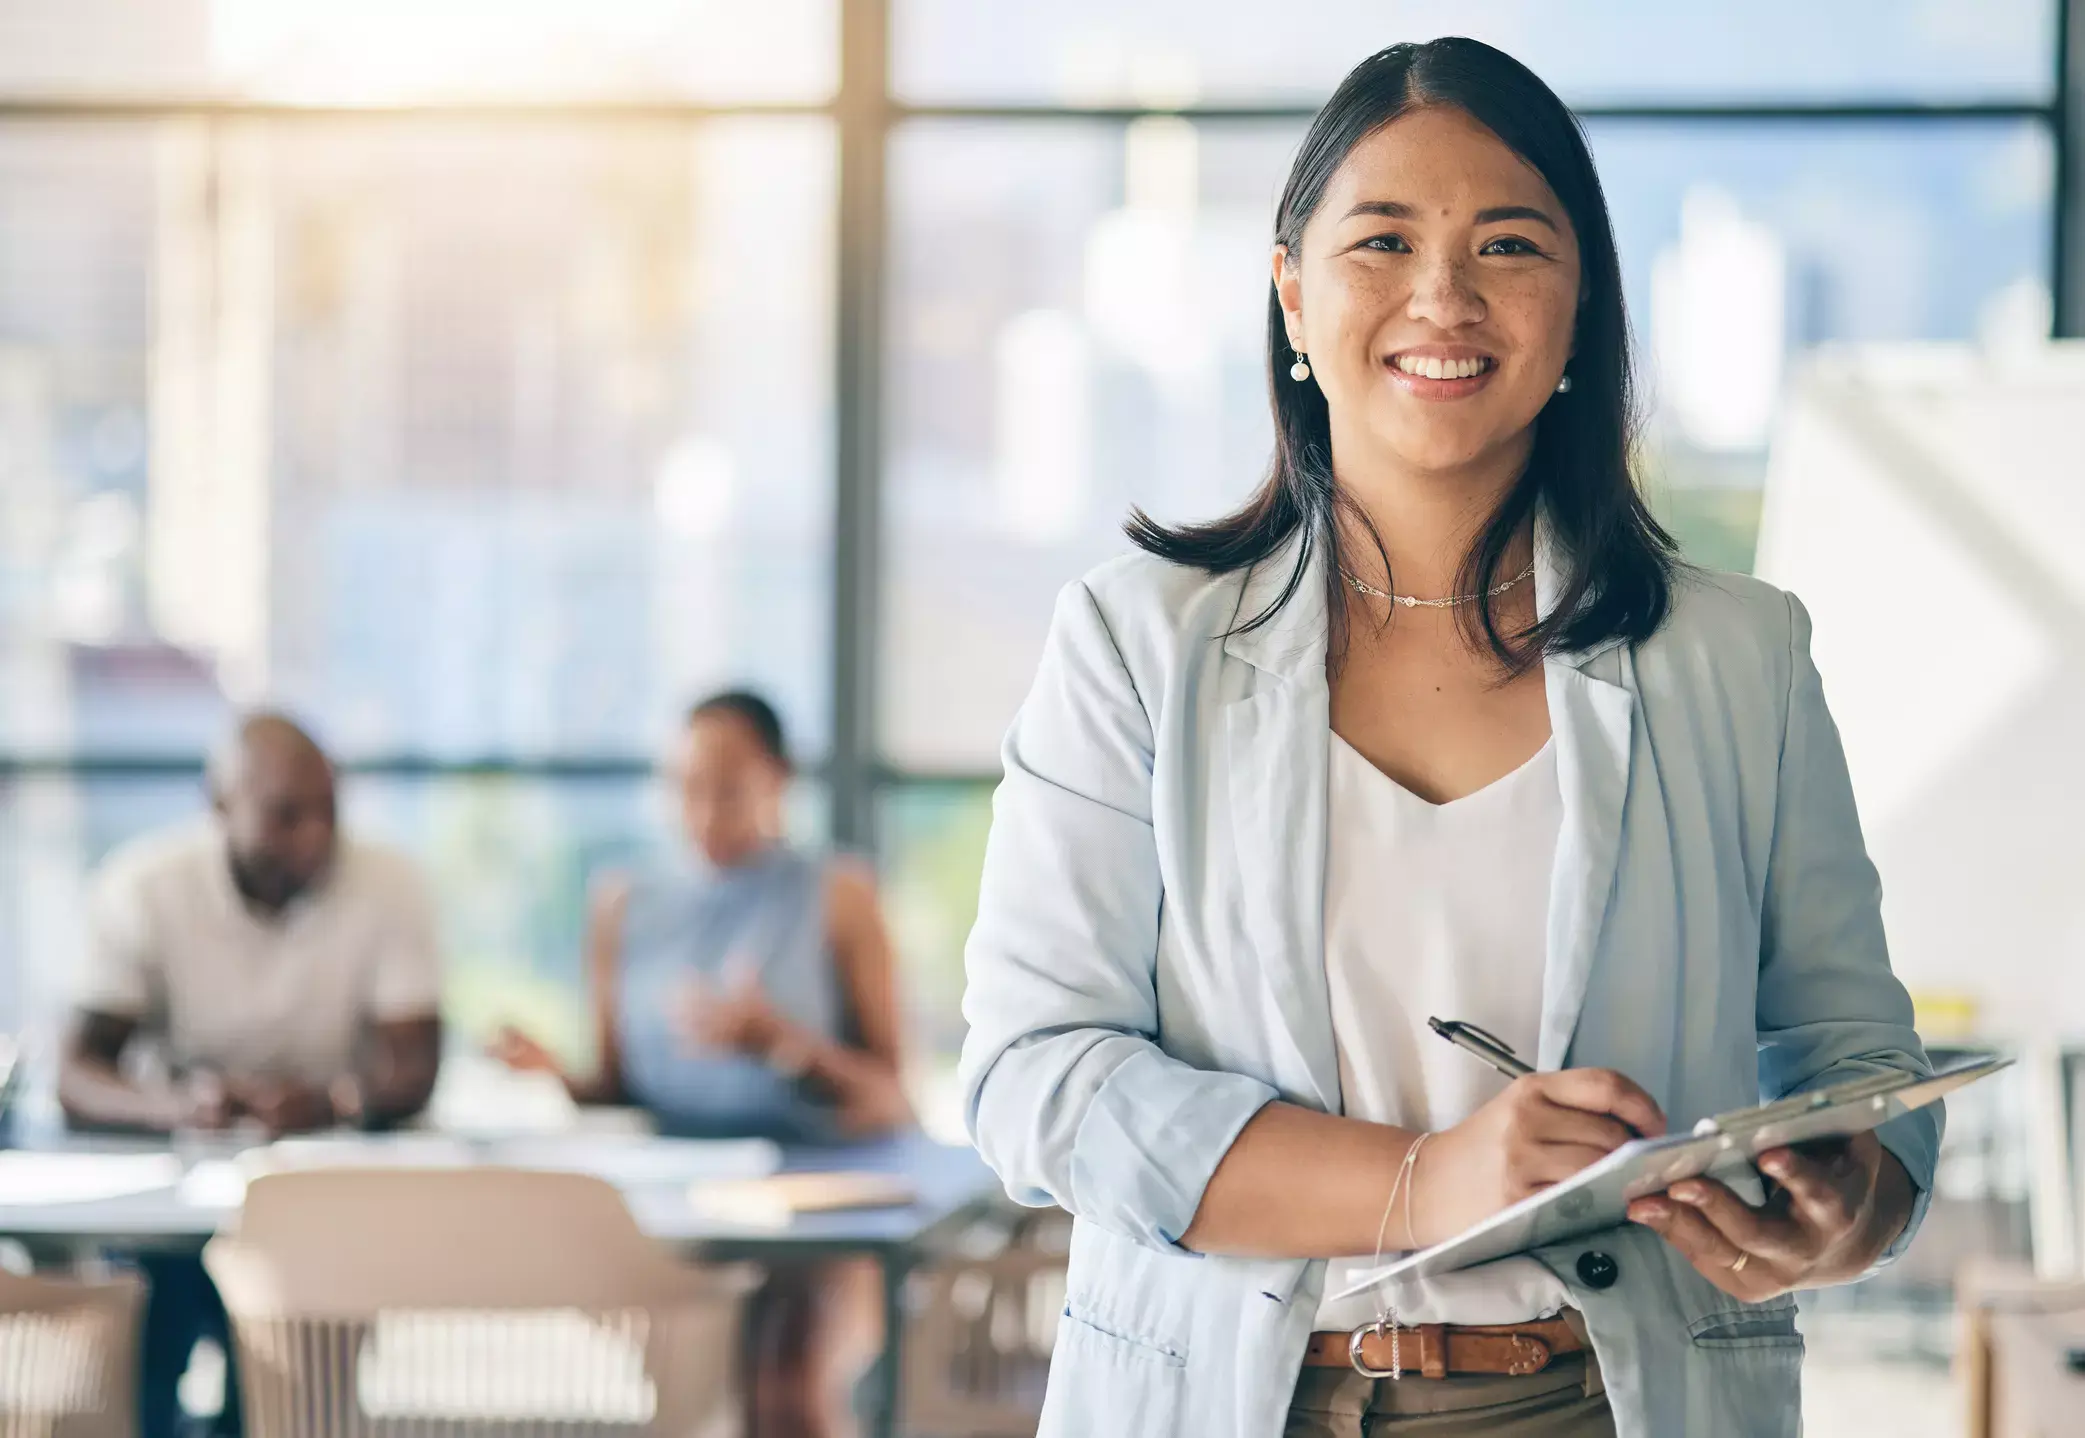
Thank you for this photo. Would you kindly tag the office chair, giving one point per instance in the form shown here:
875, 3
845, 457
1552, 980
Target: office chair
68, 1356
482, 1301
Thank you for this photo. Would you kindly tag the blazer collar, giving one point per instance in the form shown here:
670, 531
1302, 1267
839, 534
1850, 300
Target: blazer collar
1291, 643
1551, 561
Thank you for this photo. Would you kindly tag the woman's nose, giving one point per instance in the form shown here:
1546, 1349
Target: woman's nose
1443, 295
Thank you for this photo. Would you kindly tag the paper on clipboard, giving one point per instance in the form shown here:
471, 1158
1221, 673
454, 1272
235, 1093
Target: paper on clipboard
1723, 1147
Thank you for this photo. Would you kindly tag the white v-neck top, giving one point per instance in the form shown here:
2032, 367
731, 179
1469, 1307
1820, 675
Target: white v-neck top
1437, 910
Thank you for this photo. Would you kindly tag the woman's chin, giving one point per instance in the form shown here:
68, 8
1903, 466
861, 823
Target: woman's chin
1453, 453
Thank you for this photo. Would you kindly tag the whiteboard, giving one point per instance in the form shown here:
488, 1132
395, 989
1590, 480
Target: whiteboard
1927, 505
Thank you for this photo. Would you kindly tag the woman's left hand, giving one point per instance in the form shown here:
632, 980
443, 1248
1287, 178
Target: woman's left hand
1838, 1206
737, 1017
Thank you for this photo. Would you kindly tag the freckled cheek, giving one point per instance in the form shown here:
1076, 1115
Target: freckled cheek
1539, 321
1358, 303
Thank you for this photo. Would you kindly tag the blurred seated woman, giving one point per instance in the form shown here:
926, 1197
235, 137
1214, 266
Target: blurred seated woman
747, 991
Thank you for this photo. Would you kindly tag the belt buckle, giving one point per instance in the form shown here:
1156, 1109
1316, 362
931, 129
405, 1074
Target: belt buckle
1382, 1327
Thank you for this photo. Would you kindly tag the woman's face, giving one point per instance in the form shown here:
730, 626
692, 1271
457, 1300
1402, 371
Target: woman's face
1434, 294
730, 787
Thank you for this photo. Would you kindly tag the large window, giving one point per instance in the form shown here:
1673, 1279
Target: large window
1077, 321
478, 386
472, 442
484, 440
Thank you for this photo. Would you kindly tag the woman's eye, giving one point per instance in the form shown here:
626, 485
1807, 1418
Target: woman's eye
1387, 244
1508, 245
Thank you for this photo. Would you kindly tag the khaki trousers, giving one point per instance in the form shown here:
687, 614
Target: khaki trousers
1564, 1400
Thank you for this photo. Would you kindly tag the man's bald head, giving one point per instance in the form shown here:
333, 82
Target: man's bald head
264, 743
272, 788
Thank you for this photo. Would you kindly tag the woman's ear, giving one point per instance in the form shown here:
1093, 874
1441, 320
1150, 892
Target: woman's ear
1288, 289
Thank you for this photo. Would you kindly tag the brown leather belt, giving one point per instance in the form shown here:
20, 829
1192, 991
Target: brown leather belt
1435, 1350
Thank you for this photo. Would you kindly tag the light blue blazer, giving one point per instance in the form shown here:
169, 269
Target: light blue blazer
1148, 970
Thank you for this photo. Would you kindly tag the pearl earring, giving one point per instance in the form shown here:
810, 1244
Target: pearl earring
1564, 385
1299, 371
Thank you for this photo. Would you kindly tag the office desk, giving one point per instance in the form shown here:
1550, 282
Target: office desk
2016, 1332
953, 1188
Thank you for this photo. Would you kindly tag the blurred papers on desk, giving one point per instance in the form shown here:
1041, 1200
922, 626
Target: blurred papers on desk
214, 1183
634, 1162
776, 1201
29, 1178
627, 1161
219, 1181
355, 1150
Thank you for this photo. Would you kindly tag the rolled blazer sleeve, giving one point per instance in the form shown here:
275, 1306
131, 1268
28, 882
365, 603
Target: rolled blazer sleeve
1069, 1097
1830, 1009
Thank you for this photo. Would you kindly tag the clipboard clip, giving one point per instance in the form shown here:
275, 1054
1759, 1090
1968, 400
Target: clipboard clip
1744, 1120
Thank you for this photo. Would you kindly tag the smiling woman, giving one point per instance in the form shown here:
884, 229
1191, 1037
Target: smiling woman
1444, 214
1292, 782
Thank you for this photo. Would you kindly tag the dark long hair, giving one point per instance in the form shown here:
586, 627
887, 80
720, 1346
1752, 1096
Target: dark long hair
1618, 562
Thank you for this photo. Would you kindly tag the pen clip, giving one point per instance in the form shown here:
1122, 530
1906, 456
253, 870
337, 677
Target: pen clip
1468, 1028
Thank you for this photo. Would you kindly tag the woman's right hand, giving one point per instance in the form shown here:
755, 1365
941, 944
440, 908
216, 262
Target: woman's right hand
518, 1051
1541, 1129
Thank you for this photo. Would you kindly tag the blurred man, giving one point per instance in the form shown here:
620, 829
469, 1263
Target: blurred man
283, 978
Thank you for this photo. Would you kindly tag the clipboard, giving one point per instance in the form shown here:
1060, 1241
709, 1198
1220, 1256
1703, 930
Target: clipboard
1723, 1147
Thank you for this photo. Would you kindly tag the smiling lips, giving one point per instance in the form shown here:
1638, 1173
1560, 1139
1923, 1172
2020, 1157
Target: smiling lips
1441, 376
1434, 367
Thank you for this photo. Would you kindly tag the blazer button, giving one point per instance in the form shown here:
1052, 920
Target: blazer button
1597, 1270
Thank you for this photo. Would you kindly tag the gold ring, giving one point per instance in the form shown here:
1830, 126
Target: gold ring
1738, 1266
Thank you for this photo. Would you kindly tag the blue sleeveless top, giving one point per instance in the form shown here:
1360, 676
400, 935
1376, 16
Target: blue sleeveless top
768, 916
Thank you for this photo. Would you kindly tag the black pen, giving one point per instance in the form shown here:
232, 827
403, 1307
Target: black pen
1492, 1050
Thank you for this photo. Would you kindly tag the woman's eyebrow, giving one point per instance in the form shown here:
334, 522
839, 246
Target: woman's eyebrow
1388, 209
1516, 212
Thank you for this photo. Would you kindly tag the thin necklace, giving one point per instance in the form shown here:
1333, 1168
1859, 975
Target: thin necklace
1412, 601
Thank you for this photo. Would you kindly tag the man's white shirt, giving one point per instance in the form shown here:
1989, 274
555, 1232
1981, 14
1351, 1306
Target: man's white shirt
174, 945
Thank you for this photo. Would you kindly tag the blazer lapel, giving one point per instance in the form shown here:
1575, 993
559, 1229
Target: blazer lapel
1592, 722
1277, 747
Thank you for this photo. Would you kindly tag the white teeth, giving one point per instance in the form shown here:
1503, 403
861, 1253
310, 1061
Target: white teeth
1435, 368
